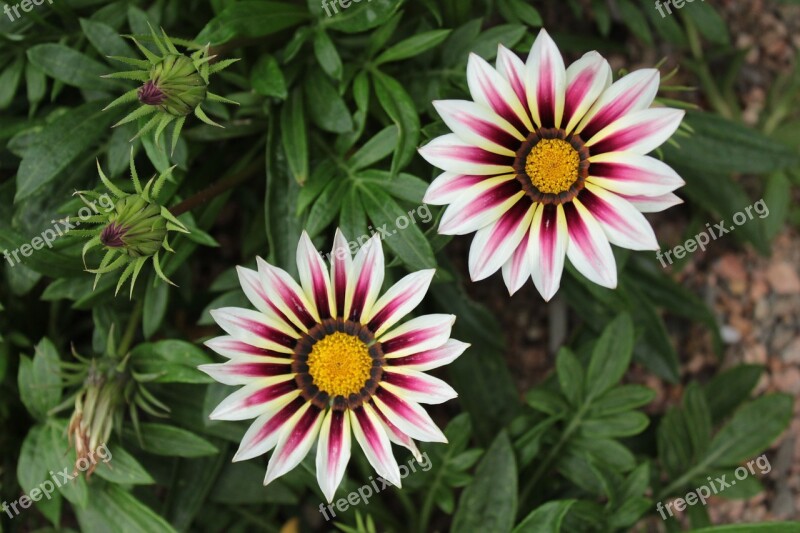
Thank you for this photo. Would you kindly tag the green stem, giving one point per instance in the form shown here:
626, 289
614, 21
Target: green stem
130, 329
218, 188
701, 70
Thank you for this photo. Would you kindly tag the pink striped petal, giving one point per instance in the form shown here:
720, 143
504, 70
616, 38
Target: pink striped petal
256, 398
639, 132
397, 436
623, 224
232, 348
546, 82
408, 416
479, 126
417, 335
398, 301
480, 205
629, 94
588, 248
417, 386
490, 89
287, 295
246, 369
341, 262
628, 173
263, 433
253, 288
450, 153
296, 439
314, 277
433, 358
255, 328
447, 187
517, 269
653, 204
513, 70
371, 436
494, 244
333, 451
587, 78
364, 280
548, 247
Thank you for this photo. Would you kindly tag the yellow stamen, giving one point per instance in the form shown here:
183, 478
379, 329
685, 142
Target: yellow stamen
339, 364
552, 165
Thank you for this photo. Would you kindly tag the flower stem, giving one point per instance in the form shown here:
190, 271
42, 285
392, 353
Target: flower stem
130, 329
217, 188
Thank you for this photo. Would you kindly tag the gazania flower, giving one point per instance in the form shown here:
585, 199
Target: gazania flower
549, 162
326, 357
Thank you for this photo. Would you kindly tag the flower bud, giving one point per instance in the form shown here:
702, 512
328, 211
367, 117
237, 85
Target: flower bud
175, 85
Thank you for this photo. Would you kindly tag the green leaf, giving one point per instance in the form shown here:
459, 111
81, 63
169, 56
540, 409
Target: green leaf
624, 424
60, 456
402, 186
413, 46
707, 21
326, 207
623, 398
111, 508
71, 67
39, 380
730, 388
489, 503
155, 308
546, 518
105, 39
33, 471
327, 109
406, 240
267, 78
327, 56
401, 109
571, 376
123, 469
161, 439
635, 20
251, 19
295, 137
361, 17
172, 360
9, 81
485, 45
698, 419
776, 203
737, 440
772, 527
611, 356
380, 146
352, 217
58, 146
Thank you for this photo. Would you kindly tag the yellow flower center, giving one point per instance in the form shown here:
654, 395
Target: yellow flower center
552, 165
340, 364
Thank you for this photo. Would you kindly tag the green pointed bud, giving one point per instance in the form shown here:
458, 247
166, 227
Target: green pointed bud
175, 85
136, 227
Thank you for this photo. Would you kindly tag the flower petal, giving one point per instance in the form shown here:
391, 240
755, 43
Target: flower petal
629, 173
629, 94
253, 288
419, 334
287, 295
364, 280
256, 398
494, 244
490, 89
398, 301
314, 277
296, 439
255, 328
246, 369
372, 437
480, 126
341, 262
622, 223
546, 82
417, 386
517, 269
333, 451
512, 69
263, 433
587, 78
548, 247
433, 358
639, 132
448, 186
588, 248
397, 436
232, 348
480, 205
653, 204
408, 416
450, 153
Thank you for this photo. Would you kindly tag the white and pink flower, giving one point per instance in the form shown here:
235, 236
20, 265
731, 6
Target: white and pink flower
549, 162
328, 358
